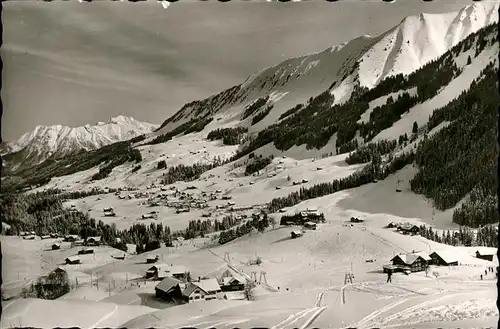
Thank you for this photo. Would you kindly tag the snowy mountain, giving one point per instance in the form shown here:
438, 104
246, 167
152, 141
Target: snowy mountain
44, 141
362, 62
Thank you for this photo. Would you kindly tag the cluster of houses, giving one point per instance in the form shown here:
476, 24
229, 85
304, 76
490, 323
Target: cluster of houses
419, 261
406, 228
178, 289
309, 216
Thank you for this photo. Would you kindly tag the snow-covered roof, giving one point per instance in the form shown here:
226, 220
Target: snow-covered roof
228, 279
95, 238
424, 255
73, 258
485, 251
190, 288
448, 256
408, 258
167, 284
177, 269
208, 285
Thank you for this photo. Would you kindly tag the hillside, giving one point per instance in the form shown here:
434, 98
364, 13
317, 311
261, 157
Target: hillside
56, 141
362, 62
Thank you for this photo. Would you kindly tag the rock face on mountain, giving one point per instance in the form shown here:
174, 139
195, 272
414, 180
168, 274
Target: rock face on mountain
44, 141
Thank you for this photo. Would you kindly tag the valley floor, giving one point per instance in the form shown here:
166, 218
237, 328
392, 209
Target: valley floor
305, 276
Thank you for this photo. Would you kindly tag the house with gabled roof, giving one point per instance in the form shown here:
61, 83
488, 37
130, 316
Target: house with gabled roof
414, 262
195, 291
233, 283
168, 289
444, 258
486, 254
72, 260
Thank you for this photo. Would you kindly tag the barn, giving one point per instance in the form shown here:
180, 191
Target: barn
485, 254
409, 229
295, 234
152, 259
56, 246
72, 260
85, 251
168, 289
93, 241
310, 225
444, 258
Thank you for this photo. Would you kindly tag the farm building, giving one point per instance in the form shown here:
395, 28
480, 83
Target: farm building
310, 225
178, 272
56, 246
93, 241
70, 238
295, 234
168, 289
356, 220
392, 225
152, 259
157, 271
109, 212
233, 283
409, 229
72, 260
444, 258
415, 262
45, 237
86, 251
485, 254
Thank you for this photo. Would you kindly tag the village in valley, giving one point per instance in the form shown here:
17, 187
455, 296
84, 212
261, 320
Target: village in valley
348, 188
378, 254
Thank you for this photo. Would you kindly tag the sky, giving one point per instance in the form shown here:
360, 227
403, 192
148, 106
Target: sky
72, 63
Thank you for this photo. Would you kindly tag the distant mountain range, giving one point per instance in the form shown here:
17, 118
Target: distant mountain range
45, 141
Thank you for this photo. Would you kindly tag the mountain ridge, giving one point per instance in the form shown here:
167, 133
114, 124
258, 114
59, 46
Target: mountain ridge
364, 61
57, 140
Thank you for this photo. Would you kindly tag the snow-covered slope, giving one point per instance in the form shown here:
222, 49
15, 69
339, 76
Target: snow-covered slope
44, 141
420, 39
364, 61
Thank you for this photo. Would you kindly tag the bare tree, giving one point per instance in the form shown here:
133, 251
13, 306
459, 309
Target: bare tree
248, 292
272, 221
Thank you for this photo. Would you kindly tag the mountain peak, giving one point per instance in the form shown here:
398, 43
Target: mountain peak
44, 141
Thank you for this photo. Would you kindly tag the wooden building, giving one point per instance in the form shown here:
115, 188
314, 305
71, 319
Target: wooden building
296, 234
310, 225
93, 241
168, 289
72, 260
415, 262
85, 251
486, 255
152, 259
444, 258
56, 246
233, 283
409, 229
